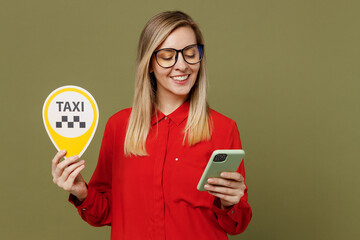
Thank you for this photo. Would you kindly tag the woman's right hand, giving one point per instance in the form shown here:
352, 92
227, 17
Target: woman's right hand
66, 175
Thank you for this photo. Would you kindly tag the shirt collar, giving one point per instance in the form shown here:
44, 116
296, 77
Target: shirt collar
177, 116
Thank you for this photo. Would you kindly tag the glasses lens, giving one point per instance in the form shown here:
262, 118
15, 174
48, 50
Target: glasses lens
166, 57
193, 54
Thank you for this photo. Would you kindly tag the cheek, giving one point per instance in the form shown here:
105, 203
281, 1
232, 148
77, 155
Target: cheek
161, 74
195, 70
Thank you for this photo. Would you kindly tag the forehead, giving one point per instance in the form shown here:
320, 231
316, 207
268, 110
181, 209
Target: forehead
179, 38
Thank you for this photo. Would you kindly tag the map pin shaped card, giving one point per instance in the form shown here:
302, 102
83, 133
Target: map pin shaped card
70, 116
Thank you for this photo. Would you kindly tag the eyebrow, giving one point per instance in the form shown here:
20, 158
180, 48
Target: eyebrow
175, 48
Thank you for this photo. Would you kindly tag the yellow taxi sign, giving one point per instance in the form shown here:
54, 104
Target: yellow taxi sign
70, 116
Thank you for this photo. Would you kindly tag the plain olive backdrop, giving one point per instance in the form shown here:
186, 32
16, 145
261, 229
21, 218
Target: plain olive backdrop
287, 71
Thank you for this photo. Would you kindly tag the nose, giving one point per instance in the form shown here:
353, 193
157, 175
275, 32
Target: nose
180, 63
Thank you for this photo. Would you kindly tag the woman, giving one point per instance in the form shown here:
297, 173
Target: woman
153, 155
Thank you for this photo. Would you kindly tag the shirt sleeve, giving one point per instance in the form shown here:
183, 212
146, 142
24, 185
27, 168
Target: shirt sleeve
235, 219
96, 208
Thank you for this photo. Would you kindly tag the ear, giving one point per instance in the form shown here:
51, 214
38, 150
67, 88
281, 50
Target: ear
151, 70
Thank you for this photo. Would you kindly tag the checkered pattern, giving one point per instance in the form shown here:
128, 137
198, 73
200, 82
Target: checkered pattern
70, 124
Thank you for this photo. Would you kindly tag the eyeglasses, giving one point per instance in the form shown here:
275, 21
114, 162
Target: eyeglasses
167, 57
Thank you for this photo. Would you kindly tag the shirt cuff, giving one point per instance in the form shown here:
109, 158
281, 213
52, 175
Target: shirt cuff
75, 201
80, 205
231, 212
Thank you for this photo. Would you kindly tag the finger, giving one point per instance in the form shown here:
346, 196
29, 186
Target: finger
232, 175
60, 167
68, 170
222, 190
56, 160
70, 181
231, 200
224, 182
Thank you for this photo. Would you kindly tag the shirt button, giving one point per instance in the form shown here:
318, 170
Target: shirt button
232, 212
176, 159
165, 118
84, 209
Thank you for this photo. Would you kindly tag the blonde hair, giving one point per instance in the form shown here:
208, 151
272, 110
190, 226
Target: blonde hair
197, 129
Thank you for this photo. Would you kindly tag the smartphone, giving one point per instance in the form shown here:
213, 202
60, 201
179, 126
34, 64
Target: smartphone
221, 161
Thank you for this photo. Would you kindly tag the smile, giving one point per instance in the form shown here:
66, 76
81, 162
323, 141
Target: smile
181, 78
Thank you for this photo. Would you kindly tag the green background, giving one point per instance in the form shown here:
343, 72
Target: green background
286, 71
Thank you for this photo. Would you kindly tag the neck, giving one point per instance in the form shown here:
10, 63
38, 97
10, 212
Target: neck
169, 104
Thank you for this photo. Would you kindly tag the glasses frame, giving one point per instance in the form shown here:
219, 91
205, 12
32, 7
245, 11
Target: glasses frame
200, 47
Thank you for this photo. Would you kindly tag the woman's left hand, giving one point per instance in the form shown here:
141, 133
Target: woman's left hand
229, 188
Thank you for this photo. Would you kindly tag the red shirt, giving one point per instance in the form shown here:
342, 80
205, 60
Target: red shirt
154, 197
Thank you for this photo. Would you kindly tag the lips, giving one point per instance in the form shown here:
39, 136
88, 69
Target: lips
180, 77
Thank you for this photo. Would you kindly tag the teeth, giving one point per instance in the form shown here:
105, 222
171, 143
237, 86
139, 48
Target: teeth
182, 78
